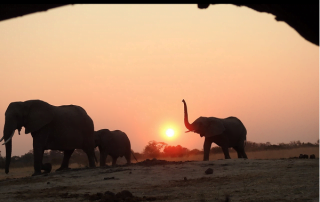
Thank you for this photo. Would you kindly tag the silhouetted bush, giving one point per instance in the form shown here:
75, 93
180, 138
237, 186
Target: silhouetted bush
175, 151
195, 152
153, 149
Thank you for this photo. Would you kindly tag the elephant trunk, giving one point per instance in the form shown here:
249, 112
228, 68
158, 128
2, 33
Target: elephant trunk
186, 121
8, 133
8, 155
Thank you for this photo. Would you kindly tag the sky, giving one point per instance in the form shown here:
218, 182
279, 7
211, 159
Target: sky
130, 66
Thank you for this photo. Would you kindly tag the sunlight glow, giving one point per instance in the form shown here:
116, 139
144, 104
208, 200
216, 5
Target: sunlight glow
170, 132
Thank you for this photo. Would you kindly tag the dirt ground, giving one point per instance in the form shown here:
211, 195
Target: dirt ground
284, 179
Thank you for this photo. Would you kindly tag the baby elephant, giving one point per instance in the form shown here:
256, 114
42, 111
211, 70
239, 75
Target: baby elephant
114, 143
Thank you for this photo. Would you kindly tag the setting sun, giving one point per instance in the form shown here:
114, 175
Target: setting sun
170, 132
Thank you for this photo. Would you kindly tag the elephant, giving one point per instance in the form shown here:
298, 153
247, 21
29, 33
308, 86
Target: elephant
64, 128
227, 132
114, 143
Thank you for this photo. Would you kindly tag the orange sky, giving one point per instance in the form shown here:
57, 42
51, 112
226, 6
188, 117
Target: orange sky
130, 66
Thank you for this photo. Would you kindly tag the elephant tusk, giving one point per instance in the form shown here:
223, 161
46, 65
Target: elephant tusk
9, 138
188, 131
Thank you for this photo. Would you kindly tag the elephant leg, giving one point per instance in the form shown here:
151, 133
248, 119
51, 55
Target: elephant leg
37, 162
103, 157
65, 161
114, 160
128, 157
206, 149
242, 152
39, 142
91, 157
47, 167
238, 151
226, 152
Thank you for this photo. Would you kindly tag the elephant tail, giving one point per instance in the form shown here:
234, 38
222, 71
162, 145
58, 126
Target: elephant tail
134, 156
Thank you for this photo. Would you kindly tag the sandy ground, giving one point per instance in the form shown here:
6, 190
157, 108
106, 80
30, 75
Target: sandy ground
161, 180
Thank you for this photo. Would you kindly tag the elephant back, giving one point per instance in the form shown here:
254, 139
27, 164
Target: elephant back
75, 113
235, 126
74, 119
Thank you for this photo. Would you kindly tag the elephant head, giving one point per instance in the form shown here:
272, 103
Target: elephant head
31, 114
99, 137
205, 126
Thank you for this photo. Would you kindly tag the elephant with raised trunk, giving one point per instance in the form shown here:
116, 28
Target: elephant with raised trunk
63, 128
228, 132
114, 143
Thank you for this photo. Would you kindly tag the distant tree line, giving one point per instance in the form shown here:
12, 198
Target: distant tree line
153, 149
160, 149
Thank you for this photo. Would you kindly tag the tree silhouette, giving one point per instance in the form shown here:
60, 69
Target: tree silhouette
175, 151
153, 148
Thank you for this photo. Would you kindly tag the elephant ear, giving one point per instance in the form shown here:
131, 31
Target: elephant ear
38, 114
214, 127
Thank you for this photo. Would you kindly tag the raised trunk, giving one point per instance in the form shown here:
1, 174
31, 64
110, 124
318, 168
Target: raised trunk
186, 121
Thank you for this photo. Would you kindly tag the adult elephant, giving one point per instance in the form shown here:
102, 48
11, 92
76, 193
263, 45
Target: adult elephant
63, 128
114, 143
228, 132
